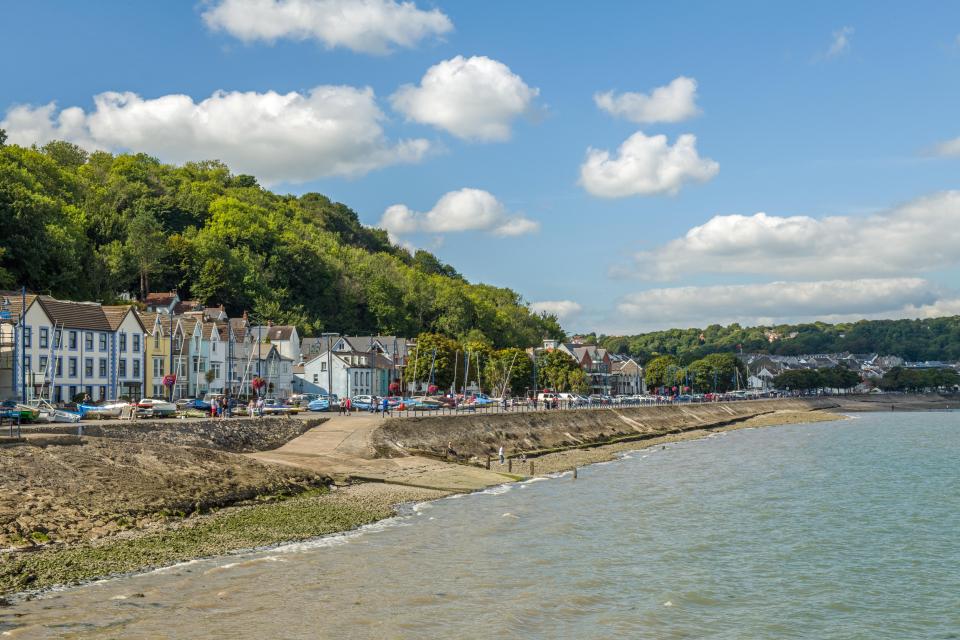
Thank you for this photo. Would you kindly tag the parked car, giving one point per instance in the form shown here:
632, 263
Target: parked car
319, 404
154, 408
362, 403
193, 403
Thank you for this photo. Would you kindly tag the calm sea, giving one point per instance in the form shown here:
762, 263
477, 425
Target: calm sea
831, 530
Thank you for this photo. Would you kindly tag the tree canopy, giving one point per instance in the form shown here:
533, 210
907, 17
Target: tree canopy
93, 226
927, 339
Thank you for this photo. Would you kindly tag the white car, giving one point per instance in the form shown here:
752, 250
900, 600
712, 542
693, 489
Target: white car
153, 408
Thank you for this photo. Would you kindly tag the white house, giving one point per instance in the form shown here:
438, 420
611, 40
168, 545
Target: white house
283, 337
67, 348
351, 373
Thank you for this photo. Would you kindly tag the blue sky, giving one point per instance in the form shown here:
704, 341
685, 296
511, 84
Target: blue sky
844, 114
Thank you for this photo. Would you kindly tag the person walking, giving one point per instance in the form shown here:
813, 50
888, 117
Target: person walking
349, 406
500, 453
260, 407
385, 405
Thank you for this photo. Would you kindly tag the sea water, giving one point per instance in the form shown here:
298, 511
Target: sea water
830, 530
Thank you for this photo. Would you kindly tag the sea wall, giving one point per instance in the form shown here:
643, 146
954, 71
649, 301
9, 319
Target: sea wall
534, 432
245, 435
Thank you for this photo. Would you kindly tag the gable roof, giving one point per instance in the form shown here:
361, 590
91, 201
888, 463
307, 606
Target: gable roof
116, 314
273, 332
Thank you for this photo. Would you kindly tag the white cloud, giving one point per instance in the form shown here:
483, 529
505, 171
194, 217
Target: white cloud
948, 148
367, 26
463, 210
919, 236
674, 102
645, 165
841, 42
776, 302
560, 308
473, 98
292, 137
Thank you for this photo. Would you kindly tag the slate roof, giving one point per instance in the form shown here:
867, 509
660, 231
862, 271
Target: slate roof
273, 333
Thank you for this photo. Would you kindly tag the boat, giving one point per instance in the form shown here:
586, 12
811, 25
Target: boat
99, 411
13, 409
46, 412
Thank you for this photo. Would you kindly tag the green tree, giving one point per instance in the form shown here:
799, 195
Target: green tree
511, 368
661, 371
719, 372
559, 372
433, 355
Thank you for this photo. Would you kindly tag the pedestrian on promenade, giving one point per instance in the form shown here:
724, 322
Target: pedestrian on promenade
386, 407
251, 408
500, 453
341, 406
349, 406
213, 408
260, 407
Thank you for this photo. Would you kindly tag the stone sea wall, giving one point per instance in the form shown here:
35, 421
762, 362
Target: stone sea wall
482, 434
244, 435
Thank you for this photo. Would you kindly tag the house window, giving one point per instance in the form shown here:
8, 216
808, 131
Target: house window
122, 368
27, 363
103, 367
214, 347
44, 337
73, 341
316, 378
103, 393
43, 364
72, 368
216, 370
58, 339
136, 343
88, 343
158, 367
136, 367
73, 393
28, 336
156, 339
123, 342
103, 341
89, 391
59, 367
323, 366
88, 370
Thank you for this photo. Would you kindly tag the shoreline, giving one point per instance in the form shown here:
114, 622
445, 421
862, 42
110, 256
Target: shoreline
307, 516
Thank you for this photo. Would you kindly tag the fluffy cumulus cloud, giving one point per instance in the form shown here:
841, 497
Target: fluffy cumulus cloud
674, 102
563, 309
473, 98
645, 165
774, 302
368, 26
291, 137
919, 236
840, 42
463, 210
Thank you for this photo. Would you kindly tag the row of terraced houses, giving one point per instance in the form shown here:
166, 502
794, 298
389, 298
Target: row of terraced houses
59, 349
166, 347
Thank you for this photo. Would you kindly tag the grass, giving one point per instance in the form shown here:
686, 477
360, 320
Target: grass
300, 518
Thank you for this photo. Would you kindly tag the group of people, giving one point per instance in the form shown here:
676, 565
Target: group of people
377, 405
219, 407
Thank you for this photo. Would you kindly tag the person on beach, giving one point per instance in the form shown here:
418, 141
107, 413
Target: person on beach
213, 408
500, 453
251, 408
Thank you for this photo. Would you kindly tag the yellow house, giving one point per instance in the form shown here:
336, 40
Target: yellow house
160, 329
